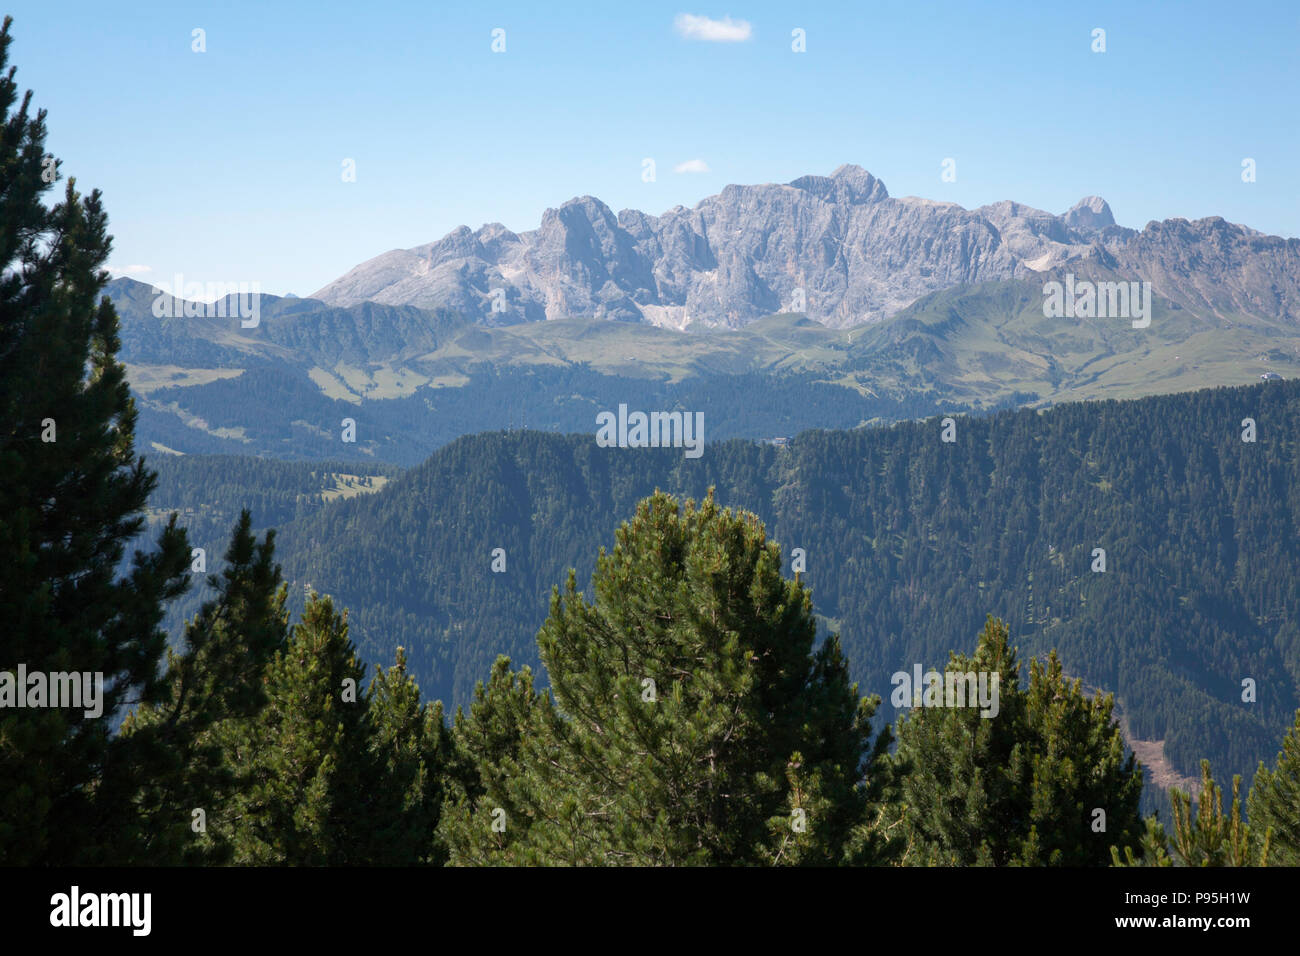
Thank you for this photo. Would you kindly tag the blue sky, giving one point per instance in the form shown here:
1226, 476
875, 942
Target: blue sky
226, 165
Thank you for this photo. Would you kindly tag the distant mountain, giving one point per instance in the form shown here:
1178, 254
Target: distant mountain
415, 379
302, 332
857, 254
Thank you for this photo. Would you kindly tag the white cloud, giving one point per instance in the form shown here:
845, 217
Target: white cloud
130, 270
726, 30
692, 166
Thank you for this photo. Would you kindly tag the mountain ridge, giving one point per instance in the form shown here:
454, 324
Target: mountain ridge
858, 255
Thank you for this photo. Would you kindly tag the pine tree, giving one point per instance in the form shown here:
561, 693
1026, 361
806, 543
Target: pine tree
954, 766
410, 748
1081, 770
1211, 838
72, 498
1153, 850
481, 823
1024, 786
303, 760
214, 687
695, 719
1274, 804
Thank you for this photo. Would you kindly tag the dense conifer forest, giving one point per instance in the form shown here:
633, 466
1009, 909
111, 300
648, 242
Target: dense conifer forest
647, 659
907, 541
406, 430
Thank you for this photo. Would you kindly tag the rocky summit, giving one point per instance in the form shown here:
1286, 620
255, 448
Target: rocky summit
836, 248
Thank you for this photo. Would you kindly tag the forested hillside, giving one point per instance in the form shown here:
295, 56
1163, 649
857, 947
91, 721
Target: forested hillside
210, 491
231, 413
909, 542
957, 640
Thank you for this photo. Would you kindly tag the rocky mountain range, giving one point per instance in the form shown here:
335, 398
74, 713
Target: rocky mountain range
836, 248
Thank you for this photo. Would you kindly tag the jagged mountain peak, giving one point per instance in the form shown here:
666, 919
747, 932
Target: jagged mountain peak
848, 183
1089, 214
837, 248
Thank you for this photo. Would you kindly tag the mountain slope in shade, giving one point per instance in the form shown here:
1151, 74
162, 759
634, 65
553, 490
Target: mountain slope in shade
857, 254
909, 543
289, 329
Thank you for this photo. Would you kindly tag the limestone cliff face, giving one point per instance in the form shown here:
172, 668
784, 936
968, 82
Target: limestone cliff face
857, 254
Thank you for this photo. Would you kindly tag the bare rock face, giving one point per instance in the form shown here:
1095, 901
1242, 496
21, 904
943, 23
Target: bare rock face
837, 248
1213, 265
1089, 215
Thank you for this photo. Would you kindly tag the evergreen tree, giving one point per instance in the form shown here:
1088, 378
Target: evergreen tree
1274, 804
1153, 850
868, 506
410, 748
1024, 786
1211, 838
213, 688
72, 498
303, 760
695, 719
481, 821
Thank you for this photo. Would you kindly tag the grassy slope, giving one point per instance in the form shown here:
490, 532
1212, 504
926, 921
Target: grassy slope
979, 344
